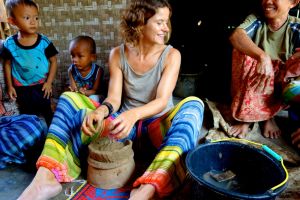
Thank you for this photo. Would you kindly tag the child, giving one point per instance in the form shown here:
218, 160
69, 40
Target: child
85, 76
30, 60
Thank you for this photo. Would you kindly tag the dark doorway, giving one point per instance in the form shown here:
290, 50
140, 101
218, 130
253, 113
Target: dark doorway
205, 47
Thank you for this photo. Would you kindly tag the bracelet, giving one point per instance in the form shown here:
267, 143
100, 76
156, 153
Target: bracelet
109, 107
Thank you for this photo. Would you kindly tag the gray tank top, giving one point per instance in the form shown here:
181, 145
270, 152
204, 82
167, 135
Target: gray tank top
139, 89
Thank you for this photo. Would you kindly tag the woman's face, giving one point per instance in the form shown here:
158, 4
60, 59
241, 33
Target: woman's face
157, 28
277, 9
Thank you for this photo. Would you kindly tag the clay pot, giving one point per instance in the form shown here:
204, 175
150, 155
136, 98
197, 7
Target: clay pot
110, 163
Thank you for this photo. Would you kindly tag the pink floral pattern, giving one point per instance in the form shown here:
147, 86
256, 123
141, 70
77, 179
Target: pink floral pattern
247, 104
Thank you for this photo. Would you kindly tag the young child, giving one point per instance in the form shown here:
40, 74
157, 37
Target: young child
85, 76
30, 60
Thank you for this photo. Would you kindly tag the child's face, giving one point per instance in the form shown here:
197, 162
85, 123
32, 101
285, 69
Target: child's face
81, 55
25, 18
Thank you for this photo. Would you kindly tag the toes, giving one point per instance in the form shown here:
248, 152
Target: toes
236, 134
267, 135
278, 133
229, 132
271, 134
233, 131
242, 135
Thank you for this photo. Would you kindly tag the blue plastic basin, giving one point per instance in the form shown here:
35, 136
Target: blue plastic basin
256, 171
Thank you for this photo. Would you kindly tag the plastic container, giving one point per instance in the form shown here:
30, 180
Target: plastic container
255, 170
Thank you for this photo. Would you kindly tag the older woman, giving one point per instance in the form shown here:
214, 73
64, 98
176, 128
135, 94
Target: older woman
143, 74
265, 60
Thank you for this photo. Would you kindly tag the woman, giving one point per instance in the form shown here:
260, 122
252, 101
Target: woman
265, 60
143, 74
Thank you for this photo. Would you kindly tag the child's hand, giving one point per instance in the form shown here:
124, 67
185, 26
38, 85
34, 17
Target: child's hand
82, 90
73, 89
47, 88
12, 93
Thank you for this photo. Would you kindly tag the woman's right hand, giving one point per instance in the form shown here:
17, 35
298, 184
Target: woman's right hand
264, 74
265, 66
92, 122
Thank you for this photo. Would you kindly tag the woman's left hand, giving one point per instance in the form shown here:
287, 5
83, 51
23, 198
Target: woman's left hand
122, 125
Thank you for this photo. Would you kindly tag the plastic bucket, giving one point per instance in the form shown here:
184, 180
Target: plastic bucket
255, 171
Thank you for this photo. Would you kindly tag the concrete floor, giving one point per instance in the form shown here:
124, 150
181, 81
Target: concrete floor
13, 180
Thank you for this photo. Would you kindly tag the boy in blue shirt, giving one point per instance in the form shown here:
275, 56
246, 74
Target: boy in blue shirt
30, 60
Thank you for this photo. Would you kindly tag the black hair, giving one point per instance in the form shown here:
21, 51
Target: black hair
10, 5
86, 39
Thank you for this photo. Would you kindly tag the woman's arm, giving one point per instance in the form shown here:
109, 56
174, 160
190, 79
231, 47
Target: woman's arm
264, 68
115, 85
242, 42
122, 125
93, 121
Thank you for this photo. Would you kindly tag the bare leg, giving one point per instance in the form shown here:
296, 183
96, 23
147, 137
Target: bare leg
43, 186
271, 130
144, 192
296, 138
239, 130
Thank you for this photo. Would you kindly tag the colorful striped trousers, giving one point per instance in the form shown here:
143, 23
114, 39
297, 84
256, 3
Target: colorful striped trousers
291, 95
172, 135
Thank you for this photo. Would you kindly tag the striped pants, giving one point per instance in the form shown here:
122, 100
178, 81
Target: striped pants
172, 135
291, 95
19, 134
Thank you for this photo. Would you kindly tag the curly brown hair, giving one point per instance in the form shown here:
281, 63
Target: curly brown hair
137, 15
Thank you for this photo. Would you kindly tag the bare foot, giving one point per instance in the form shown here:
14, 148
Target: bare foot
296, 138
239, 130
43, 186
144, 192
270, 129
